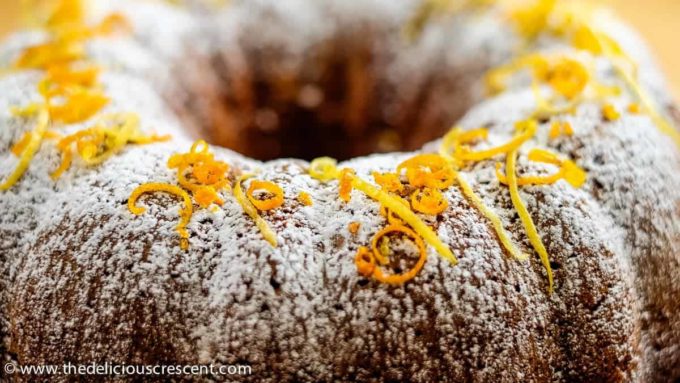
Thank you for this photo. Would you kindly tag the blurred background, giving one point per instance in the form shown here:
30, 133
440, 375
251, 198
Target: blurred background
657, 20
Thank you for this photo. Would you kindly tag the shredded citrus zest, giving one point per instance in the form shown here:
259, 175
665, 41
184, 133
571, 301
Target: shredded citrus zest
206, 196
406, 215
51, 53
70, 89
64, 75
558, 128
79, 105
113, 23
107, 137
391, 218
396, 279
381, 248
27, 111
634, 108
610, 113
456, 149
353, 227
568, 170
346, 177
388, 181
364, 261
324, 169
524, 216
68, 37
266, 204
185, 213
67, 13
29, 150
305, 198
454, 139
428, 201
428, 170
611, 49
568, 77
249, 209
495, 220
19, 147
531, 20
451, 146
199, 172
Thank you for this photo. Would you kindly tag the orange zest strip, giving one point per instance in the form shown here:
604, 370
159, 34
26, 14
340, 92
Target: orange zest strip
66, 161
305, 198
19, 147
429, 170
70, 89
530, 20
397, 279
65, 75
428, 201
529, 180
612, 50
115, 22
29, 150
610, 113
527, 129
208, 176
271, 203
51, 53
568, 170
391, 218
381, 255
525, 217
324, 169
558, 128
495, 220
364, 261
28, 111
66, 13
346, 176
455, 138
406, 215
206, 196
185, 213
249, 209
80, 105
388, 181
353, 227
106, 138
568, 77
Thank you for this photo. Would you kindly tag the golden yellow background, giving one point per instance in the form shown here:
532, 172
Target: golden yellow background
657, 20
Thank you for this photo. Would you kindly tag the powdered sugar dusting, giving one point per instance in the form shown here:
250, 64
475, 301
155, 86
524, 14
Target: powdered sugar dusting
84, 279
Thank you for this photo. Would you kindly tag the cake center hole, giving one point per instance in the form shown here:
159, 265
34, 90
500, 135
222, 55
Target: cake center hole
342, 107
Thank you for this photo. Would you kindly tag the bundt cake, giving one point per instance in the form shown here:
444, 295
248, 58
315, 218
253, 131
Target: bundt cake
538, 240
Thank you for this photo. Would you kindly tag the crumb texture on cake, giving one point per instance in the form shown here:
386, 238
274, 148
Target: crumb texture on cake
82, 279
